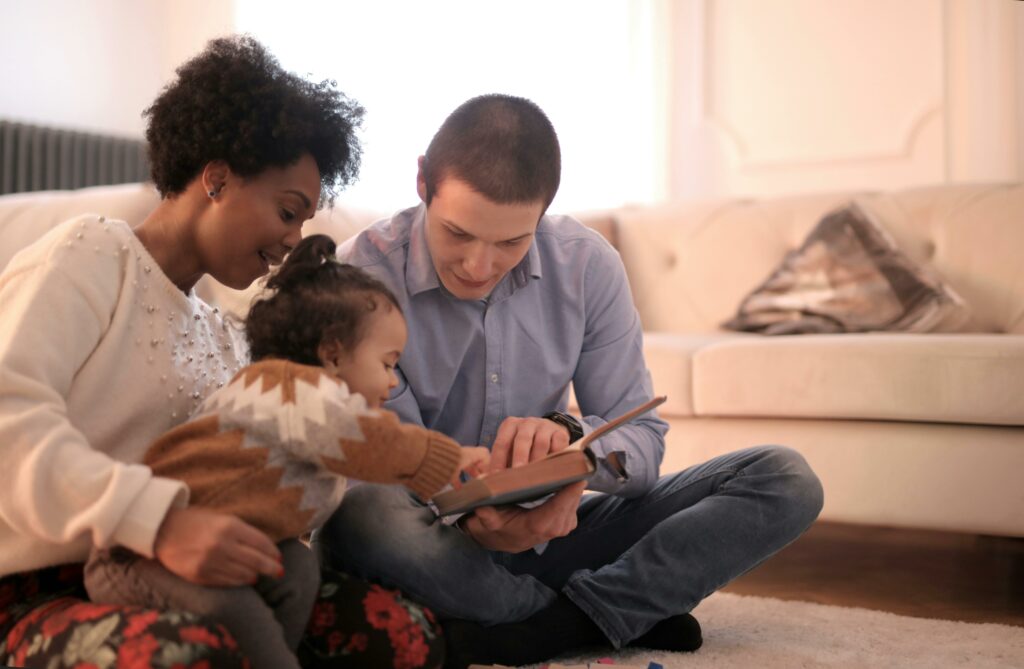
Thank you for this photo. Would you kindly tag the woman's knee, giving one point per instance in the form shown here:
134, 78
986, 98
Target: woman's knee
212, 642
128, 634
358, 624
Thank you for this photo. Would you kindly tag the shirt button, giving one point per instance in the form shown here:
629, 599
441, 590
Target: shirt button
494, 378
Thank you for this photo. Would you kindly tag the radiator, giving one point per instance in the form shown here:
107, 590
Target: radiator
39, 158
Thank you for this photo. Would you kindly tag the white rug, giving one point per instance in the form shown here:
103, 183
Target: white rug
766, 633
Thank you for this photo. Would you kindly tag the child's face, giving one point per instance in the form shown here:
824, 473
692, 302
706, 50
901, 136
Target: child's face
369, 369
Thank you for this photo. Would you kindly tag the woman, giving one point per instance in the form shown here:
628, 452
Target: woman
104, 346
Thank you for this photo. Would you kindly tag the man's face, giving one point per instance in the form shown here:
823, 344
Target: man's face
473, 241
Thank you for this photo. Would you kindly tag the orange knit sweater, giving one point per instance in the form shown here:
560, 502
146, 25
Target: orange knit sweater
274, 446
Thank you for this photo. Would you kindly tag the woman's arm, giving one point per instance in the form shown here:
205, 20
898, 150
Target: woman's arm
54, 486
57, 302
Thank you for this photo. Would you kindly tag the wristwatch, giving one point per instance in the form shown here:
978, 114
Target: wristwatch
568, 422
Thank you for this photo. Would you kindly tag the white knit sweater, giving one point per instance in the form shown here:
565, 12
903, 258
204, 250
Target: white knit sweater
99, 355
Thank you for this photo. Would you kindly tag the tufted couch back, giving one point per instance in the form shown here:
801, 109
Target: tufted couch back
690, 264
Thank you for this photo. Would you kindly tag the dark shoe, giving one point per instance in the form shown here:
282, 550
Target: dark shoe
679, 633
560, 628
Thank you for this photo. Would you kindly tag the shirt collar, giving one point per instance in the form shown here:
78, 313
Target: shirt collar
532, 258
420, 275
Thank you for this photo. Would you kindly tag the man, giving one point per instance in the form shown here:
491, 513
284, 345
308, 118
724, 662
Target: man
506, 307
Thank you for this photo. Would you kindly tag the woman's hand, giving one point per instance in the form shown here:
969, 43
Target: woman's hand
211, 548
473, 460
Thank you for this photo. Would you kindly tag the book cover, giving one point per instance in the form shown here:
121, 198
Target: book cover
535, 479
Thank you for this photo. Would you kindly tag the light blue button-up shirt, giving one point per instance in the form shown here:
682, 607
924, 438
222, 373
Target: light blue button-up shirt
563, 315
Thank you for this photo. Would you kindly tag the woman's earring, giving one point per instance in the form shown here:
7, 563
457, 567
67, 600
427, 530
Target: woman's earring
212, 194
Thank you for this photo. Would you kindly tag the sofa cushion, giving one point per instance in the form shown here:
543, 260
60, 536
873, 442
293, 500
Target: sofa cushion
669, 356
849, 276
951, 378
26, 217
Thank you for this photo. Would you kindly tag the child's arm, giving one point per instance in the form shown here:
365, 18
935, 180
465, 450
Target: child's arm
391, 452
336, 429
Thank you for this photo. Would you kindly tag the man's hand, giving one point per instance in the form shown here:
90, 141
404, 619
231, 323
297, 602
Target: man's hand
513, 530
522, 440
211, 548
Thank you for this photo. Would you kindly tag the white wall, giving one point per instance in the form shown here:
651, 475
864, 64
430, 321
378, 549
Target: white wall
1019, 60
96, 64
410, 63
802, 95
982, 73
766, 96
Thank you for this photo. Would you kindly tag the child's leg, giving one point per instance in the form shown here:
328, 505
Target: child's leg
292, 596
120, 577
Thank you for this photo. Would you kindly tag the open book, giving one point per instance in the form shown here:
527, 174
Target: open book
537, 478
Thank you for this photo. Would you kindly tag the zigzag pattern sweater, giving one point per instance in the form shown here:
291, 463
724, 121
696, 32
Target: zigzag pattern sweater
274, 447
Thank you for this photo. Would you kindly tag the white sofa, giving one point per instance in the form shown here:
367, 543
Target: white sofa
917, 430
922, 430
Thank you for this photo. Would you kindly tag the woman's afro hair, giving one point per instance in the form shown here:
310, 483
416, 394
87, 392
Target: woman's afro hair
234, 102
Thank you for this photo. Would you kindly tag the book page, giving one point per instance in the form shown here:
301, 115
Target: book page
537, 478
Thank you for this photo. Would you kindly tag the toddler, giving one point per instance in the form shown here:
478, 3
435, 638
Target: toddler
275, 445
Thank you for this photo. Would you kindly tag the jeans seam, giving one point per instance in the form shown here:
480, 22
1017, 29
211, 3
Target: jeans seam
734, 472
579, 599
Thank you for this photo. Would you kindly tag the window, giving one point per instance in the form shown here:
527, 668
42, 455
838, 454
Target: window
592, 65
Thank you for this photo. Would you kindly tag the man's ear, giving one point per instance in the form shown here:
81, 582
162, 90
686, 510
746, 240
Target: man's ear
421, 180
330, 354
215, 176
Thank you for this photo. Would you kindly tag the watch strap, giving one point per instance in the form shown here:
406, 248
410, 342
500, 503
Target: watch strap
568, 422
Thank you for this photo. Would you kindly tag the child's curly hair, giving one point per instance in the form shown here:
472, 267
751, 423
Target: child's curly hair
314, 299
234, 102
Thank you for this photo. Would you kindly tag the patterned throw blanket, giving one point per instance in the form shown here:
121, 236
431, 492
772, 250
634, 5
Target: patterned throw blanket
849, 276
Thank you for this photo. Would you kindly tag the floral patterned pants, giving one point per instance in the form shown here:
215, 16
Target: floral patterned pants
46, 621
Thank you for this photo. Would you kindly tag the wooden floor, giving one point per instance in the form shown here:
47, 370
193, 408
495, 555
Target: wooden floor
910, 572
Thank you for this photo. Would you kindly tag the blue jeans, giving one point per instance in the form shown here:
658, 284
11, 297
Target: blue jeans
629, 563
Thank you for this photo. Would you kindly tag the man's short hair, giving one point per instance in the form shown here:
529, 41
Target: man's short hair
504, 147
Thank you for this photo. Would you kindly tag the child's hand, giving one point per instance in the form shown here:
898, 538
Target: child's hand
473, 461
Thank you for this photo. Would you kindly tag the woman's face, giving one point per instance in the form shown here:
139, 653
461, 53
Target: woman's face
254, 222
